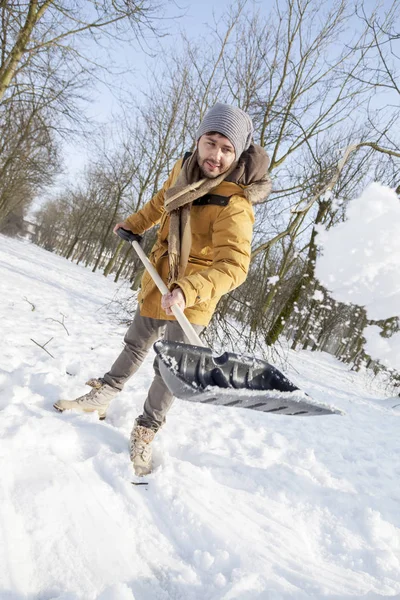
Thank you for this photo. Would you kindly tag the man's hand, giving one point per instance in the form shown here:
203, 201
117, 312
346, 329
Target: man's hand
126, 234
176, 297
124, 225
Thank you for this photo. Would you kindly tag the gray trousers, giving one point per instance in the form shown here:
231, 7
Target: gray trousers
139, 338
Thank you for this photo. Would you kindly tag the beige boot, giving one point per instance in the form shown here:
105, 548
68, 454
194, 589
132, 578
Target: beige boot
95, 382
141, 451
96, 400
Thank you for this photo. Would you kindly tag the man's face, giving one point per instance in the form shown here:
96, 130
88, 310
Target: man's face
215, 154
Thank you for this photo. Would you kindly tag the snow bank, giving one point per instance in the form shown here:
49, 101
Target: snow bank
360, 263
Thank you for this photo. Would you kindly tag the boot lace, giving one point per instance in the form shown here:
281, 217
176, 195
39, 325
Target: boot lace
140, 443
91, 396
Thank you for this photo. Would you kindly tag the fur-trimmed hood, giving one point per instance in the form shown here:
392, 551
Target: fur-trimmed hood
251, 174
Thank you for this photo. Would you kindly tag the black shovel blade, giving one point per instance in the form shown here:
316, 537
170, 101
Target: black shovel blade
193, 373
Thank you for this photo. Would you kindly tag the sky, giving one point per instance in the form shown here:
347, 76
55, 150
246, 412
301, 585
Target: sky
194, 18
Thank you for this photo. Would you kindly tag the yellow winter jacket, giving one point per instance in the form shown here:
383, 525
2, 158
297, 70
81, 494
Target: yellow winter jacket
219, 257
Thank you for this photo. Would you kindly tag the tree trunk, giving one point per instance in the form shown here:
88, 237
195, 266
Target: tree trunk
112, 260
122, 265
280, 321
71, 248
137, 279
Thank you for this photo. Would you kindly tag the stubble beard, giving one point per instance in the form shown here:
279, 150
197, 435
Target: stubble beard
205, 173
209, 175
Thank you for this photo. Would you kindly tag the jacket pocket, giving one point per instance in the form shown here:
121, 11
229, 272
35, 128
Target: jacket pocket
146, 280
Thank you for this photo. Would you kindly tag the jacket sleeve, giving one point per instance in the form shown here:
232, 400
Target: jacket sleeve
152, 211
231, 239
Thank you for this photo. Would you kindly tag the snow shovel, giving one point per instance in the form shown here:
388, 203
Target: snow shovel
192, 372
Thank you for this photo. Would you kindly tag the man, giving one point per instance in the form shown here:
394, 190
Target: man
202, 251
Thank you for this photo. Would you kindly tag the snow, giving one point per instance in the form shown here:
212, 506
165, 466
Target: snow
273, 280
318, 296
360, 264
386, 349
241, 505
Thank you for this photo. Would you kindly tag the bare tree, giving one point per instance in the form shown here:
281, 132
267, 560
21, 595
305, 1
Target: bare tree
46, 66
31, 29
28, 155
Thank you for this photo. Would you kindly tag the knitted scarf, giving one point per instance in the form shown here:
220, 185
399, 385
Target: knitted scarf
189, 186
250, 173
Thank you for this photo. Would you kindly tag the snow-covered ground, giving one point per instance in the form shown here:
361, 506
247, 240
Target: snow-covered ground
241, 505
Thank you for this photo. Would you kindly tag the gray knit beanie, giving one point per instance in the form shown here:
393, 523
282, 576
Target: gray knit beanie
230, 121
